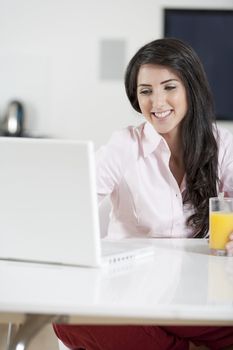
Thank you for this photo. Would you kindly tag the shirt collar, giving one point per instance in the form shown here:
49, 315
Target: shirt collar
151, 139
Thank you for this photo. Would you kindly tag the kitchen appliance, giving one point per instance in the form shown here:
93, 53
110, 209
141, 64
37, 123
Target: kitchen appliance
13, 123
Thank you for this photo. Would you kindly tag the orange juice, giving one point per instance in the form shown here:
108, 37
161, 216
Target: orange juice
221, 225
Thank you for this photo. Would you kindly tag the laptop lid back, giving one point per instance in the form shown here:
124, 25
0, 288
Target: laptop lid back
48, 203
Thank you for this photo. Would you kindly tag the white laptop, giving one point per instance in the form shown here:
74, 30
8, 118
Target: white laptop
48, 205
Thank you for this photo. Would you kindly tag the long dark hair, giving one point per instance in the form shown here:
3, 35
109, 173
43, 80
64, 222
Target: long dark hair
200, 150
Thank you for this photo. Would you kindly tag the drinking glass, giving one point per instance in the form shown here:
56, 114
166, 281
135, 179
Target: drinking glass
220, 223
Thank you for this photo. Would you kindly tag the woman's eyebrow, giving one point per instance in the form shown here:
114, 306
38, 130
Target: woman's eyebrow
144, 85
168, 81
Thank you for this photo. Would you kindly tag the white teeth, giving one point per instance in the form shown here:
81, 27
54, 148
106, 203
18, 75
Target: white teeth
162, 114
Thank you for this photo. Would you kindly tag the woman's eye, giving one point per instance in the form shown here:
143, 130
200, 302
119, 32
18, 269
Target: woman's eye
170, 87
145, 92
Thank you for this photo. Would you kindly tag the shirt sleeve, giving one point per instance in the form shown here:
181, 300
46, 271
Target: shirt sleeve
111, 162
226, 162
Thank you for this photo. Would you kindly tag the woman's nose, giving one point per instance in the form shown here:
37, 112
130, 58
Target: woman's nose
158, 100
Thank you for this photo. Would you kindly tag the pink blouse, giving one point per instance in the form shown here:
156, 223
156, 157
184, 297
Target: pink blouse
133, 168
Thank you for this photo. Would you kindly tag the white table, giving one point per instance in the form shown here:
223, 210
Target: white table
182, 284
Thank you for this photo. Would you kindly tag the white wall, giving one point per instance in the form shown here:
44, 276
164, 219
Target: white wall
49, 58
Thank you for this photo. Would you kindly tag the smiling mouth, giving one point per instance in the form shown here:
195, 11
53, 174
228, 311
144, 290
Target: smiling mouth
162, 115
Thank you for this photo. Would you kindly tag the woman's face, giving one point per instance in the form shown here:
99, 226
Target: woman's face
162, 98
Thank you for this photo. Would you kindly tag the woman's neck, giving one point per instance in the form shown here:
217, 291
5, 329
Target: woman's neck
176, 162
174, 142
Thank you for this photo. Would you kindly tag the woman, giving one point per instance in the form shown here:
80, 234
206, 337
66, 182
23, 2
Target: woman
160, 176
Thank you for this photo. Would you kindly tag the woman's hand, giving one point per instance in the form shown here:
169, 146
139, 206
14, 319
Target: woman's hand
229, 245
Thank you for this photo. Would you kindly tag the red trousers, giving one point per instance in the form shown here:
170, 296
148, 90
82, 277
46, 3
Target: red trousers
142, 338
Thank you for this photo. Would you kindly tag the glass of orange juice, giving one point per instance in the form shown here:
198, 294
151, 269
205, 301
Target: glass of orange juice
220, 223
